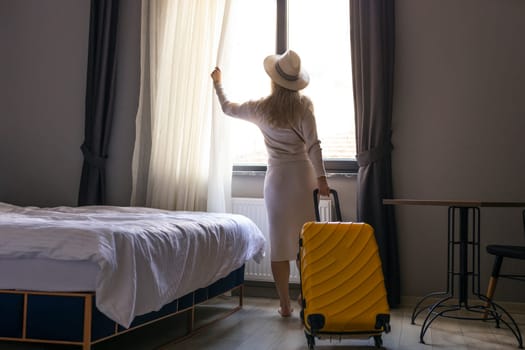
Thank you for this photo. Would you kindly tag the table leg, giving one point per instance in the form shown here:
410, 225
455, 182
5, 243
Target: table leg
463, 256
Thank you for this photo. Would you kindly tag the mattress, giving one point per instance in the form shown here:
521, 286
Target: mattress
143, 258
48, 275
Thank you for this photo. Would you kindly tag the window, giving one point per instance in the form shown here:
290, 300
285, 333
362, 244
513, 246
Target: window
320, 32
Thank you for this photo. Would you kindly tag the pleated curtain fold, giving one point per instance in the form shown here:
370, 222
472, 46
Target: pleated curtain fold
372, 42
173, 161
99, 101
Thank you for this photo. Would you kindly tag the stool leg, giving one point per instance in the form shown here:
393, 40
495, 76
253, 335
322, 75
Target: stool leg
493, 281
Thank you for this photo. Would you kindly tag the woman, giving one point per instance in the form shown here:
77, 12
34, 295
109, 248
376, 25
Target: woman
295, 164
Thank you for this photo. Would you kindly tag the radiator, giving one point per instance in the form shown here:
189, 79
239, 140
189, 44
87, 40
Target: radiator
254, 209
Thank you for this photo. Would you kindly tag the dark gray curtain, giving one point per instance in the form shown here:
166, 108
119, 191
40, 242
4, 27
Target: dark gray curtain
100, 95
372, 36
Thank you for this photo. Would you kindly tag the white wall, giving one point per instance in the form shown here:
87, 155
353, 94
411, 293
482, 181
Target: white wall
459, 121
42, 88
42, 91
459, 116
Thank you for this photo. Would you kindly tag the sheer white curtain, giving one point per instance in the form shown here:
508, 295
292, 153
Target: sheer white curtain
181, 158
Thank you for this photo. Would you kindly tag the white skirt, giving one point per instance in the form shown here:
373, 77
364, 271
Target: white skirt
288, 195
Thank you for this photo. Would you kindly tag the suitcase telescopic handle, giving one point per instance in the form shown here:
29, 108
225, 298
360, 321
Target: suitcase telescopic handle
333, 193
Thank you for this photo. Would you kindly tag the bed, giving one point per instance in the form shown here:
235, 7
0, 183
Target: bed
80, 275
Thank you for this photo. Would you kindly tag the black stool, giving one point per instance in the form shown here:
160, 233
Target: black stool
500, 252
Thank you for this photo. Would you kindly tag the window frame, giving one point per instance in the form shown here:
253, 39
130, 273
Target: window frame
343, 166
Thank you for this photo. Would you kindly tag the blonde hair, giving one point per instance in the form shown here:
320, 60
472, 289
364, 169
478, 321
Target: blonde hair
283, 107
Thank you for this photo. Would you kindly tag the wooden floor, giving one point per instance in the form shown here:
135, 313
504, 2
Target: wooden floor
257, 326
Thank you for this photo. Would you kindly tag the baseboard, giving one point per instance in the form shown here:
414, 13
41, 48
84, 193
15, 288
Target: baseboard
260, 289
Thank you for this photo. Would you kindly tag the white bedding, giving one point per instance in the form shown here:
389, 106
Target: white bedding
147, 257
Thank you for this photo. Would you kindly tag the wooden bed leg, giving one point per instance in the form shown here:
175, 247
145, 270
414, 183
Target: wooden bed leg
24, 319
88, 305
190, 319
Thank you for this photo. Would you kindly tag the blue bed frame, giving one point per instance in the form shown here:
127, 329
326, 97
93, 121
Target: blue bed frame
72, 318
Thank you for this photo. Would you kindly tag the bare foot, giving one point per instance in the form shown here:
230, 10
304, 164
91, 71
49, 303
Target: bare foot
285, 312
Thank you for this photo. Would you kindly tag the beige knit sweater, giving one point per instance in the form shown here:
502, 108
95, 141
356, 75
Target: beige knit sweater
299, 142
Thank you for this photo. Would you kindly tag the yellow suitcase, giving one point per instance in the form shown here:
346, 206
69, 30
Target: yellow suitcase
342, 283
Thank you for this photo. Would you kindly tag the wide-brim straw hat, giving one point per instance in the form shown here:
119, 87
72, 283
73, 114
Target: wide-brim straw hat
286, 71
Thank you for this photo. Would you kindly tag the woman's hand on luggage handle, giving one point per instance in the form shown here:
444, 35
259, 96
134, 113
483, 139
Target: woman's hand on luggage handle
322, 184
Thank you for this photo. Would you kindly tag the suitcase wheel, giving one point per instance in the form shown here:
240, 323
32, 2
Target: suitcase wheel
316, 322
387, 328
378, 341
310, 339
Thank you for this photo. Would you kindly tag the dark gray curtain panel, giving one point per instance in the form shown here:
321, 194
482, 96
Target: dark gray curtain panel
100, 95
372, 42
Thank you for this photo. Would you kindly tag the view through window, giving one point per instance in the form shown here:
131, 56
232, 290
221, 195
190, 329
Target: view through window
319, 31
